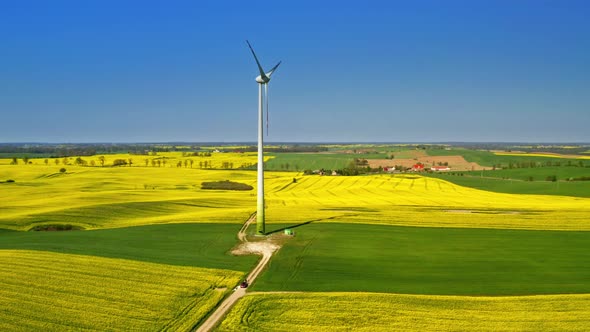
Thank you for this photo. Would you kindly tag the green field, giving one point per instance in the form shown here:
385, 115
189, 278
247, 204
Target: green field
315, 161
486, 158
202, 245
537, 173
496, 184
373, 258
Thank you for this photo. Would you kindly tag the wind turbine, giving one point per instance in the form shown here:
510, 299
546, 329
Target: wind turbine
262, 79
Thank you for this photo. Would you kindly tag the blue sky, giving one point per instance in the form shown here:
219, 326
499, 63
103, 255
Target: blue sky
391, 71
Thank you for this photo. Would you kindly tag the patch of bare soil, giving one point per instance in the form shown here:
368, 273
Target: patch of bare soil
266, 247
455, 163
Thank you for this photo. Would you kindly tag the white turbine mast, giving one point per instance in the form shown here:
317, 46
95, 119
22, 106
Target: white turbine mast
262, 79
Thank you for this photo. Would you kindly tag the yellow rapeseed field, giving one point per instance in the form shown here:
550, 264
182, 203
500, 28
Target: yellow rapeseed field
419, 201
44, 291
161, 159
392, 312
99, 197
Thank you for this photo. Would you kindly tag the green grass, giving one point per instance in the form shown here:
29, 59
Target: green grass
201, 245
538, 173
315, 161
374, 258
573, 188
486, 158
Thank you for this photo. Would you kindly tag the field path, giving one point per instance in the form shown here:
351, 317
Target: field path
263, 248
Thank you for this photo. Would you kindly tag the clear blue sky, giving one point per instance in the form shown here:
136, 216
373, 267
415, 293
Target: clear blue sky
143, 71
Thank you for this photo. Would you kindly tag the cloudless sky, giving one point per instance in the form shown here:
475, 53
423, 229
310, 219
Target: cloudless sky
362, 71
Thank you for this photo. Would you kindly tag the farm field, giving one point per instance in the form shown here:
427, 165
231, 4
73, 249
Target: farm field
537, 173
536, 154
197, 245
418, 201
57, 292
496, 184
166, 159
98, 197
108, 197
455, 162
315, 161
487, 158
352, 232
437, 261
387, 312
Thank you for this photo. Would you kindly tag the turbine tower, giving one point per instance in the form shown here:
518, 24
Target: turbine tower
262, 79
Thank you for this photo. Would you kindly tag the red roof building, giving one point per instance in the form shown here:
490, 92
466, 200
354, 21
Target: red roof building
418, 167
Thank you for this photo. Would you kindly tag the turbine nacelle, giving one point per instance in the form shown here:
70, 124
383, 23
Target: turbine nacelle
262, 80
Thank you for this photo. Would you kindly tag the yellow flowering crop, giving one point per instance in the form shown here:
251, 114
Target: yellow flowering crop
44, 291
393, 312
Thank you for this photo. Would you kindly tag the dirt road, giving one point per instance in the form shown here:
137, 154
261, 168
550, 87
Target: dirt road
264, 248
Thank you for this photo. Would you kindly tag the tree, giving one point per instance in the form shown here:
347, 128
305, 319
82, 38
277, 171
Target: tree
130, 162
80, 162
185, 163
200, 164
179, 164
164, 162
92, 163
14, 161
26, 160
153, 163
56, 161
65, 161
146, 162
101, 159
191, 162
119, 162
159, 163
46, 161
62, 170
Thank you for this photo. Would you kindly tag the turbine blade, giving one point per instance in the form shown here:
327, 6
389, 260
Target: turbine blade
256, 58
273, 69
266, 95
